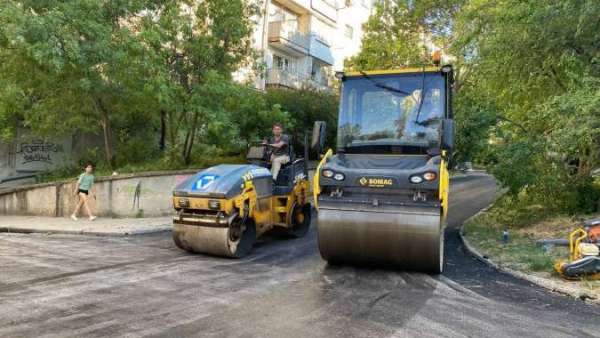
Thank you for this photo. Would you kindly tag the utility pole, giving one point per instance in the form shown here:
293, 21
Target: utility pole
264, 36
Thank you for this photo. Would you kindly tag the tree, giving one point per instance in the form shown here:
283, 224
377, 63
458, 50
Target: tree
195, 48
305, 106
526, 92
536, 64
397, 33
71, 66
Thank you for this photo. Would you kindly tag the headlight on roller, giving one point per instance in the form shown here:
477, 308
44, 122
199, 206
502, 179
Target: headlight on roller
184, 203
416, 179
430, 176
339, 177
328, 173
214, 204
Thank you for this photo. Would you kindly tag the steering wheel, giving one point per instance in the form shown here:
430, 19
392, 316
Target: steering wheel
268, 151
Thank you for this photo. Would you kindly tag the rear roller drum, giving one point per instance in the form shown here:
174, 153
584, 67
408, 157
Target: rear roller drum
234, 241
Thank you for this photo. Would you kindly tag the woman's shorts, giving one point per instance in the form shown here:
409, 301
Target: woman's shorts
83, 191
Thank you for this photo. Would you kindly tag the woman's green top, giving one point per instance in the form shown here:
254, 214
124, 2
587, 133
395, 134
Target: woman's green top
86, 181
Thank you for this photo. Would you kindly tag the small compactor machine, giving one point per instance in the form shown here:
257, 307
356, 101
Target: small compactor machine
223, 210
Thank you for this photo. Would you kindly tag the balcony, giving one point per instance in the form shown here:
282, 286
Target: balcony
288, 40
289, 79
320, 49
284, 78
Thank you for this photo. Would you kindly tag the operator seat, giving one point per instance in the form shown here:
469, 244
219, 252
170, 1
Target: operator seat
285, 180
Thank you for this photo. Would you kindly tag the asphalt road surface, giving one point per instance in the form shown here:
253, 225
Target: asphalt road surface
73, 286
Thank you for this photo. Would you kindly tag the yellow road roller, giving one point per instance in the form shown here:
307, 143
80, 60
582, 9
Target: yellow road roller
382, 199
222, 210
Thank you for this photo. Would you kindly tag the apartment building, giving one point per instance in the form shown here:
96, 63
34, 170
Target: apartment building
303, 42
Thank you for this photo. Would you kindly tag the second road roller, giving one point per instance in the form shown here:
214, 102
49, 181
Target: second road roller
382, 199
222, 210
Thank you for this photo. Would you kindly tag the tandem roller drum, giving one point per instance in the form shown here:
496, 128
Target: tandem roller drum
233, 241
407, 238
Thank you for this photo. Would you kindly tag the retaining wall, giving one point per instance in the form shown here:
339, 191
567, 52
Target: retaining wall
141, 195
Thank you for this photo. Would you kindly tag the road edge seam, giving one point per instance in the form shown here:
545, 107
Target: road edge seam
539, 281
10, 230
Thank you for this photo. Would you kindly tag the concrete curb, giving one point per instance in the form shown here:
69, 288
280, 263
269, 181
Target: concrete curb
545, 283
161, 229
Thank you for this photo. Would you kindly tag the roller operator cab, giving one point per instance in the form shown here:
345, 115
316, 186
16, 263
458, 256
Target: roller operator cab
383, 198
222, 210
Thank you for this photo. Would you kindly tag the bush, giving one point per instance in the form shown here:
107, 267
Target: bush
548, 160
305, 106
252, 115
136, 149
241, 117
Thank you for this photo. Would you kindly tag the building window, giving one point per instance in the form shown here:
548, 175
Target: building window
283, 63
322, 31
286, 17
319, 72
349, 32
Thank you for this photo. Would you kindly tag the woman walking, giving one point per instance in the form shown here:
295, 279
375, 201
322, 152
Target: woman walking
83, 188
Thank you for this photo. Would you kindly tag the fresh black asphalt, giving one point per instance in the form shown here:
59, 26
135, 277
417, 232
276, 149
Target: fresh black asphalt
76, 286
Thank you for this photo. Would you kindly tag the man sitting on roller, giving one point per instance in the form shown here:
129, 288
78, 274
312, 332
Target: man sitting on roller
280, 149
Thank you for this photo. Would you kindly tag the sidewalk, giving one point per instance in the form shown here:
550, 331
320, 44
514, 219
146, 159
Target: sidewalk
99, 227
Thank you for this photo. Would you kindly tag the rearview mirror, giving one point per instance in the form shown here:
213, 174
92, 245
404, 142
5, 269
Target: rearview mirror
447, 142
318, 136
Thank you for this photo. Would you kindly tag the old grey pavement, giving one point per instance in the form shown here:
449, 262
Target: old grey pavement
102, 226
73, 286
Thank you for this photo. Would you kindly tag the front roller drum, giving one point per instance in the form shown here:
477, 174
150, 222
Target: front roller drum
410, 238
234, 241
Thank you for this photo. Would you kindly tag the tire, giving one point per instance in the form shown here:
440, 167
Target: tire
300, 219
242, 235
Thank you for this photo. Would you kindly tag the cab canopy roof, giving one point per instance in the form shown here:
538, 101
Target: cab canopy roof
416, 70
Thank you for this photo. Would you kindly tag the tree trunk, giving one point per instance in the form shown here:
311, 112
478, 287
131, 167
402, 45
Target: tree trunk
185, 146
106, 130
163, 130
187, 157
172, 134
107, 133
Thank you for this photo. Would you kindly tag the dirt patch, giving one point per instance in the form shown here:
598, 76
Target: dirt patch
557, 227
521, 252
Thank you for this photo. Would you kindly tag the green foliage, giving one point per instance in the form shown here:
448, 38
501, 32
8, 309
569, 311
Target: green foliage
254, 114
152, 78
136, 148
526, 91
125, 69
67, 69
305, 106
546, 137
396, 33
194, 53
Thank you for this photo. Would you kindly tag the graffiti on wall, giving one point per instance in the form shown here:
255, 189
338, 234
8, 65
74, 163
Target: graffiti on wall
33, 154
39, 151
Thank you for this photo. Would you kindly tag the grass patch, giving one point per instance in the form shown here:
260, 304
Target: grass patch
521, 252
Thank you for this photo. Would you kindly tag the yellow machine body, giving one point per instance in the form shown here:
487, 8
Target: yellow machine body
383, 198
583, 258
266, 213
229, 225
